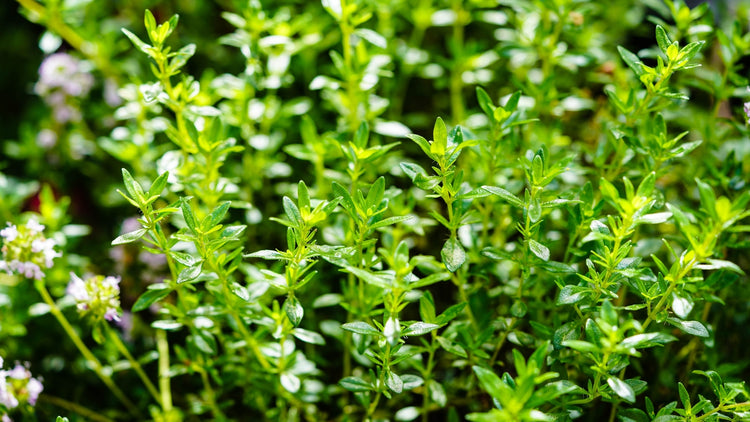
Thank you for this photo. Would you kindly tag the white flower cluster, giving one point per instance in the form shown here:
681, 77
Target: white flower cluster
26, 251
17, 387
61, 79
97, 296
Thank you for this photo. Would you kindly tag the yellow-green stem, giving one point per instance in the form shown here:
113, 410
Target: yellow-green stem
74, 407
85, 351
165, 387
134, 363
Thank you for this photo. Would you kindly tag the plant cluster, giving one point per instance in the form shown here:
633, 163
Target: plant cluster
379, 210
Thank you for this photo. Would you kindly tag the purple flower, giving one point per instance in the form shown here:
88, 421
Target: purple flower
9, 233
62, 71
17, 387
747, 112
26, 251
46, 138
97, 296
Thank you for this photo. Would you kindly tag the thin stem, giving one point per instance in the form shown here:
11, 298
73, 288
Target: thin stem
90, 358
74, 407
134, 363
456, 81
211, 395
162, 346
54, 23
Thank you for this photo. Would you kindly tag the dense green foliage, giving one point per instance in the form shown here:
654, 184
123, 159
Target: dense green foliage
485, 210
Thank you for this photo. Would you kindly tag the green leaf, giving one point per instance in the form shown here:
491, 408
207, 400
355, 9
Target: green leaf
189, 273
485, 102
492, 384
184, 258
708, 199
684, 396
356, 385
129, 237
581, 346
642, 341
159, 184
361, 135
346, 199
427, 307
293, 309
290, 382
452, 347
632, 61
215, 217
621, 388
453, 254
145, 48
149, 22
689, 51
381, 281
450, 314
691, 327
504, 194
422, 142
390, 221
394, 382
187, 213
266, 254
662, 39
437, 393
572, 294
308, 336
149, 297
419, 328
167, 325
372, 37
375, 194
608, 313
134, 188
361, 327
439, 138
552, 391
292, 212
535, 210
541, 251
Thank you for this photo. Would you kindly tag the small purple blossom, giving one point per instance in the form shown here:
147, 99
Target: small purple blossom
46, 138
96, 296
9, 233
18, 387
66, 73
63, 81
747, 112
26, 251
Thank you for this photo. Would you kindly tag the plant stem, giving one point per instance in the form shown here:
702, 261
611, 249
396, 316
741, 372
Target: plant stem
90, 358
162, 346
74, 407
55, 23
134, 363
456, 81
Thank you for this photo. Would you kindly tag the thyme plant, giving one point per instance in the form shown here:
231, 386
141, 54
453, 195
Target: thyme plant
377, 210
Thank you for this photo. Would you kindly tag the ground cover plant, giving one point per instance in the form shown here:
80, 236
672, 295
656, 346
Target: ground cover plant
485, 210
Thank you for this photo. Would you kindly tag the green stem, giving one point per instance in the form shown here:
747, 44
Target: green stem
134, 363
165, 387
211, 396
427, 376
456, 81
74, 407
90, 358
56, 24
